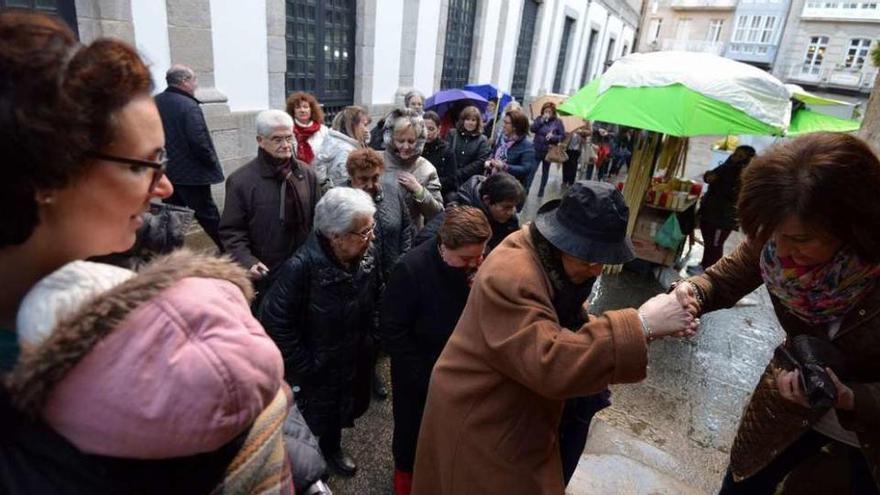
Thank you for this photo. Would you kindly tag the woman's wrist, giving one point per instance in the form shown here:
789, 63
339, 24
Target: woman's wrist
646, 329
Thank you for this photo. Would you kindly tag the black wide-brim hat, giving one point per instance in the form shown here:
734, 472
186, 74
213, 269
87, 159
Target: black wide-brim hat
589, 223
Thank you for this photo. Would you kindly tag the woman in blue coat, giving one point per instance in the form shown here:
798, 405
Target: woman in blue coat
515, 153
548, 131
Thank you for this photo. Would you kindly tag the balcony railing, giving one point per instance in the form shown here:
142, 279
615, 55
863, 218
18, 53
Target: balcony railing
861, 80
871, 13
702, 4
716, 47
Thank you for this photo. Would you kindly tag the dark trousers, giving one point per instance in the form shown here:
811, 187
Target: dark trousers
766, 480
331, 441
570, 167
545, 175
575, 426
409, 393
199, 199
713, 243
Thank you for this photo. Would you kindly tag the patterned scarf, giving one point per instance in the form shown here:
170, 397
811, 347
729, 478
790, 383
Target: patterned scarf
818, 294
503, 146
304, 151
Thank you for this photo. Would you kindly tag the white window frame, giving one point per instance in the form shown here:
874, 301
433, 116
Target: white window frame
815, 52
715, 28
857, 53
654, 28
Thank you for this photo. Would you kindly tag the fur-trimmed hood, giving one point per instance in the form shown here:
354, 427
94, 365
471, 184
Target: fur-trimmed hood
168, 363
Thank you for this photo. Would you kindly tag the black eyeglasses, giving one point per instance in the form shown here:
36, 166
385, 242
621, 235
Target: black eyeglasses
158, 165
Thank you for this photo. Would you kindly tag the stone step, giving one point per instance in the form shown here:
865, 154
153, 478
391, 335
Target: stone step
617, 463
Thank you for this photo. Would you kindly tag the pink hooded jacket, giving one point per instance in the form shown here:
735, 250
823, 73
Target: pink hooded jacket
169, 363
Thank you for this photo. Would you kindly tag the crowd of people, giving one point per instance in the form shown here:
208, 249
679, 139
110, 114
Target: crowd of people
182, 376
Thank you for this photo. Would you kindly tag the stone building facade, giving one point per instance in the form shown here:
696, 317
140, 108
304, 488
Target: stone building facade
248, 55
826, 45
686, 25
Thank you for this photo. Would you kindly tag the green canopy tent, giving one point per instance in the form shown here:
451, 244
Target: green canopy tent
805, 121
674, 110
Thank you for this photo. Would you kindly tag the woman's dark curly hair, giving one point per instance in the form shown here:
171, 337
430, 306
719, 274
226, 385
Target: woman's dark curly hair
827, 180
57, 101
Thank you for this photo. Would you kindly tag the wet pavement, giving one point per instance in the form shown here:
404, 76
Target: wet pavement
670, 434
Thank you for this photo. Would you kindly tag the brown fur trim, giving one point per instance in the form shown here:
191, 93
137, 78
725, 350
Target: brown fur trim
39, 370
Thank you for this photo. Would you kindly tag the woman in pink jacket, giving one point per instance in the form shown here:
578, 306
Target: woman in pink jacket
159, 382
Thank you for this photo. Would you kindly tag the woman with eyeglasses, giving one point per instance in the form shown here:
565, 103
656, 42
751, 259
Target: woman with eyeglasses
156, 382
320, 312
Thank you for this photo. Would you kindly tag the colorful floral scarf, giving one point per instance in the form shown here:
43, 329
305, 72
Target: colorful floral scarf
818, 294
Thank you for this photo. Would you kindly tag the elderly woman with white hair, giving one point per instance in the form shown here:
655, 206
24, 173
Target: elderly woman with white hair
320, 312
270, 201
404, 136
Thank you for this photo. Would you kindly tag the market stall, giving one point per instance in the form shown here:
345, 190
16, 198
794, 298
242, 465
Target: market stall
672, 96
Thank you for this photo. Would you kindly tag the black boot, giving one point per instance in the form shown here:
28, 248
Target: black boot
342, 462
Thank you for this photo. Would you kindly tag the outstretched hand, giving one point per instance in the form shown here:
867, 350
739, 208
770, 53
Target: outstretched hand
665, 316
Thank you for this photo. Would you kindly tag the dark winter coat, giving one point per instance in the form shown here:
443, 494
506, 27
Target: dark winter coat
541, 128
439, 154
251, 228
469, 195
425, 298
321, 315
192, 160
470, 151
718, 206
522, 160
394, 229
771, 423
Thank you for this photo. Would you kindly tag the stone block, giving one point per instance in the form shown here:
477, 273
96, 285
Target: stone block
118, 10
221, 121
276, 18
89, 30
189, 13
277, 90
122, 30
194, 48
226, 143
86, 8
277, 51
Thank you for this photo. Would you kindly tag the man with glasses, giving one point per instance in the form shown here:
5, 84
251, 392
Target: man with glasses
192, 161
270, 201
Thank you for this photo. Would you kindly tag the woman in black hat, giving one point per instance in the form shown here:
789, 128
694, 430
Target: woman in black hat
502, 379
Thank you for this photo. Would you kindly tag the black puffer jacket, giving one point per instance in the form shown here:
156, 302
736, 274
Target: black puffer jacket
718, 206
394, 228
439, 154
192, 160
469, 195
321, 315
470, 152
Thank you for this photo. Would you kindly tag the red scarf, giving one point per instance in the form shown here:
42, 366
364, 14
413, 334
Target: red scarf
304, 150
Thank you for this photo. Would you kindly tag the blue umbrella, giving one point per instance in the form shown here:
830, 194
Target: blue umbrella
488, 91
442, 101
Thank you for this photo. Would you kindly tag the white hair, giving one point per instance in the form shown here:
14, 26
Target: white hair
338, 209
269, 120
412, 94
401, 119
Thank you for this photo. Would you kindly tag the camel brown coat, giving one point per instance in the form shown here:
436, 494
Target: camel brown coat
497, 391
771, 423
